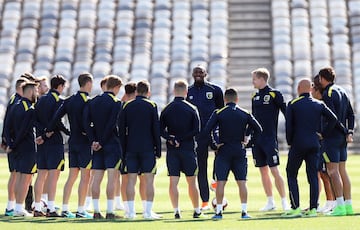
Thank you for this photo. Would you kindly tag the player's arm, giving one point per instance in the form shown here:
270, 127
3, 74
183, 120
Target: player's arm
60, 112
59, 124
211, 124
195, 127
289, 124
6, 117
156, 132
26, 123
350, 117
331, 120
110, 124
279, 101
163, 127
87, 123
219, 98
255, 126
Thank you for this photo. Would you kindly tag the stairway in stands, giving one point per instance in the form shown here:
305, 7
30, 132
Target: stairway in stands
250, 44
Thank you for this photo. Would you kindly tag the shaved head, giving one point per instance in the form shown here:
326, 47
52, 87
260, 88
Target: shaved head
304, 86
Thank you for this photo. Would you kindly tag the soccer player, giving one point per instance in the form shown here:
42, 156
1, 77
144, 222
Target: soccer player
9, 211
139, 121
303, 116
335, 145
105, 143
179, 123
19, 135
50, 155
232, 122
80, 154
316, 92
266, 104
206, 97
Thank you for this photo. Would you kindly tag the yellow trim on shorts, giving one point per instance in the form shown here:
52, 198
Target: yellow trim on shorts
153, 171
196, 171
88, 166
61, 164
33, 170
326, 158
117, 166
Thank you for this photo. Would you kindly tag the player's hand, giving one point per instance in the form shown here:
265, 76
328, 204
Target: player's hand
349, 138
8, 149
39, 140
96, 146
49, 134
218, 146
246, 140
320, 136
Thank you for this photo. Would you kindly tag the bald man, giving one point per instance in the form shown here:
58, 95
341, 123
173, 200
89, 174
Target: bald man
303, 117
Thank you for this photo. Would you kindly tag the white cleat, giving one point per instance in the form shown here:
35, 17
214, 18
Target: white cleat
22, 213
268, 207
119, 206
152, 216
328, 207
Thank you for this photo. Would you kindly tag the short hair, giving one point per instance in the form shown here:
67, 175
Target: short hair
19, 82
231, 95
40, 79
84, 78
28, 76
56, 81
328, 73
113, 81
130, 88
317, 86
180, 86
143, 87
28, 85
103, 81
261, 73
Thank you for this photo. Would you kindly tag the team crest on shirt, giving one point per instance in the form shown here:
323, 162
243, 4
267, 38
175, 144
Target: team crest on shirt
266, 99
209, 95
191, 97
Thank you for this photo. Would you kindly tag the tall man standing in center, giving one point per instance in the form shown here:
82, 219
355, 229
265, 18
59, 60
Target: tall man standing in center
206, 97
139, 122
266, 104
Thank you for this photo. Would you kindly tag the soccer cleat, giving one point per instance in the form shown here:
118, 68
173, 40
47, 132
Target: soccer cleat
292, 213
67, 214
328, 207
119, 206
83, 214
130, 216
154, 215
53, 214
244, 215
199, 215
9, 212
217, 216
22, 213
349, 209
97, 215
112, 216
268, 207
213, 185
311, 213
339, 210
39, 214
205, 206
177, 215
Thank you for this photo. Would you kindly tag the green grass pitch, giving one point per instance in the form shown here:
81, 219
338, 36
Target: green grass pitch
231, 220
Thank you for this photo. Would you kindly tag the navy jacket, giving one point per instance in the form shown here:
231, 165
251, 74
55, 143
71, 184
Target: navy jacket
19, 130
45, 109
233, 122
101, 119
13, 100
73, 106
303, 116
139, 126
337, 100
266, 104
180, 119
206, 97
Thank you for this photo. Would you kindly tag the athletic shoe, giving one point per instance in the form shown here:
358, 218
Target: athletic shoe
328, 207
292, 213
67, 214
213, 185
177, 215
151, 216
9, 212
339, 210
97, 215
217, 216
22, 213
39, 214
268, 207
199, 215
244, 215
53, 214
310, 213
112, 216
83, 214
205, 206
119, 206
154, 214
349, 209
130, 216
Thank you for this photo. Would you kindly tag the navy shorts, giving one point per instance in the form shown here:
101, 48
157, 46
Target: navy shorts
50, 157
108, 157
231, 157
12, 160
181, 161
141, 162
334, 150
26, 162
80, 156
123, 168
266, 152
